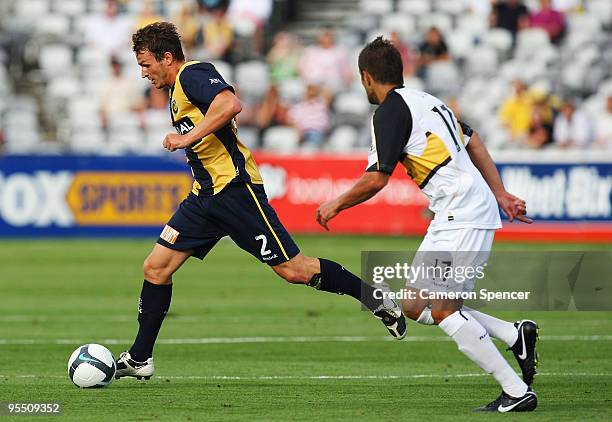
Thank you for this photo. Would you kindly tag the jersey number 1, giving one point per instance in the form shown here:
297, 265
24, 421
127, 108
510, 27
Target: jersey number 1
452, 132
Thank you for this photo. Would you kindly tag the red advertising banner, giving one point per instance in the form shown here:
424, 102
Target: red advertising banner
297, 185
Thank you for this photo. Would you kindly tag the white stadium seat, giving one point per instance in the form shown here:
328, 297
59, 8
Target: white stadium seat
498, 38
282, 139
252, 78
292, 90
376, 7
343, 139
53, 24
70, 7
440, 20
460, 44
352, 103
64, 87
55, 59
402, 23
482, 61
600, 9
443, 79
530, 41
414, 7
249, 136
32, 9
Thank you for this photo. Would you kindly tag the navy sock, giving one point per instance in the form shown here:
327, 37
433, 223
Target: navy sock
335, 278
152, 308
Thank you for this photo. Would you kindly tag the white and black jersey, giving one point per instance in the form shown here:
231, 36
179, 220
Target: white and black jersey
419, 131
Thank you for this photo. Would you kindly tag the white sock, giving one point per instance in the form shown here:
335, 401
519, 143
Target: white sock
498, 328
425, 318
474, 341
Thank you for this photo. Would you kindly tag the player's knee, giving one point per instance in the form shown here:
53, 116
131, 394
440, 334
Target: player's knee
290, 273
156, 272
440, 315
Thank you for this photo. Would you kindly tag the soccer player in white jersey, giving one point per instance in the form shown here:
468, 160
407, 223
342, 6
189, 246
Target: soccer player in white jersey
451, 165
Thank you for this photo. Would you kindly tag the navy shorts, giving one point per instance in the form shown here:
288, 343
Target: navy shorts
240, 211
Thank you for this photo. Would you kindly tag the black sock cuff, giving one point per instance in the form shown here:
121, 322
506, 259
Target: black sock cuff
155, 298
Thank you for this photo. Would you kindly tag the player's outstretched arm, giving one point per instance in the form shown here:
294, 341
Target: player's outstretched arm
224, 107
513, 206
366, 187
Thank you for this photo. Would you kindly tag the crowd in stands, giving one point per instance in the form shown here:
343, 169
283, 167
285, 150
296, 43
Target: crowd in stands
533, 74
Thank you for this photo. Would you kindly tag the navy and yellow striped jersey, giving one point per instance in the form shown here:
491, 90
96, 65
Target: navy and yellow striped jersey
219, 158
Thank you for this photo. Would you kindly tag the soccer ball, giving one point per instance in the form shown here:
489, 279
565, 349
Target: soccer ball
91, 366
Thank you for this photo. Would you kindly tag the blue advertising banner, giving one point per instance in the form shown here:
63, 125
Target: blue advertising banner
135, 196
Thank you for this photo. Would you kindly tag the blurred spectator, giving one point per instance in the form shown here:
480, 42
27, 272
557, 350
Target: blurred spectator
284, 57
408, 59
154, 107
567, 6
572, 128
311, 117
433, 49
248, 17
118, 94
218, 36
540, 127
187, 24
550, 20
516, 111
272, 111
509, 14
326, 64
109, 32
147, 15
214, 4
603, 126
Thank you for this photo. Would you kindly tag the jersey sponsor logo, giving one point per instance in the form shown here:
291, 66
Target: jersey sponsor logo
215, 81
174, 106
184, 126
169, 234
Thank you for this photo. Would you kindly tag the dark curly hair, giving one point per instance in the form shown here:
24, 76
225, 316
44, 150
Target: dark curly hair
382, 60
159, 38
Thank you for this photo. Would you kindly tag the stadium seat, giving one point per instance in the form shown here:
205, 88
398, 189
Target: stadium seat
342, 139
440, 20
64, 87
126, 140
83, 111
472, 24
403, 23
32, 9
252, 77
283, 139
498, 38
584, 23
414, 7
376, 7
88, 142
482, 61
450, 7
249, 136
124, 122
443, 79
55, 24
530, 41
600, 9
460, 44
70, 7
351, 107
292, 90
54, 59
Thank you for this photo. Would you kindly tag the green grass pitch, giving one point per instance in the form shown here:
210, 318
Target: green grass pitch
241, 344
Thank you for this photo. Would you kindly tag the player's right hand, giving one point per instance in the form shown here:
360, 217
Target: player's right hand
513, 207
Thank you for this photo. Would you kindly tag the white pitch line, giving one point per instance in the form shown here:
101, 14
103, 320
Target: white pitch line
328, 377
251, 340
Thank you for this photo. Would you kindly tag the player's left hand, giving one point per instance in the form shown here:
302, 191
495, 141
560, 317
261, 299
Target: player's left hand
326, 212
174, 141
514, 207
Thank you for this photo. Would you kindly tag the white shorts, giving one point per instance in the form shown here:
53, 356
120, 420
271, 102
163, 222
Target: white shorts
452, 260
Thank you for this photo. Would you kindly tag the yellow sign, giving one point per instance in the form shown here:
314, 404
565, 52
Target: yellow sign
126, 199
